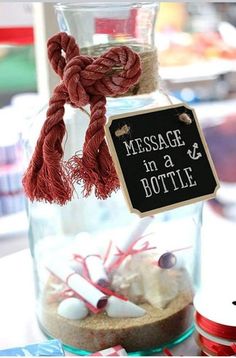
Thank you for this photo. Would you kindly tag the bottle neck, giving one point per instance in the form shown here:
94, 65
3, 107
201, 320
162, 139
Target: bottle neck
106, 22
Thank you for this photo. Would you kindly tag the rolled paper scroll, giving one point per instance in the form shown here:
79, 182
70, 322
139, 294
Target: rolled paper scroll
124, 244
85, 247
78, 284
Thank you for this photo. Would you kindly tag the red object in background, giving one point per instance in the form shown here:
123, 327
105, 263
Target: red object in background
16, 35
116, 26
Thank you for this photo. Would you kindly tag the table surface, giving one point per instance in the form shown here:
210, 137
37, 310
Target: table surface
18, 323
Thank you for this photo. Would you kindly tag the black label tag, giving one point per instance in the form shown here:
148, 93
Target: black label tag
162, 161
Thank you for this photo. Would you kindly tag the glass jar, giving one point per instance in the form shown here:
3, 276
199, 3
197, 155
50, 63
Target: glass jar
140, 273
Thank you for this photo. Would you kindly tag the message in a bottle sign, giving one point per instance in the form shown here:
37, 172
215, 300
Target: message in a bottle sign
162, 161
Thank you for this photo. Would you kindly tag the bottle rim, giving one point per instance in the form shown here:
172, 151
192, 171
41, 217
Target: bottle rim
79, 4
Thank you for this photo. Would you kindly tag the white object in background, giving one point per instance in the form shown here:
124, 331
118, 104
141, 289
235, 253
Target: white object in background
28, 105
77, 283
8, 227
124, 242
227, 193
72, 308
9, 135
215, 298
118, 308
228, 33
45, 26
15, 14
217, 306
85, 247
11, 169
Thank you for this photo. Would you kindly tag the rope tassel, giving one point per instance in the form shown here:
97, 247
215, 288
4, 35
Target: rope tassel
84, 81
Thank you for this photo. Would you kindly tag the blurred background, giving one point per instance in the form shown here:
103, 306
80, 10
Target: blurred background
197, 64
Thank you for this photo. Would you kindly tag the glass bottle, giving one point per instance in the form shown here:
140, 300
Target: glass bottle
158, 281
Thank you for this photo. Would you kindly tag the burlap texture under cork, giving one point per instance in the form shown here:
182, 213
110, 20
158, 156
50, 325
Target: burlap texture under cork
149, 60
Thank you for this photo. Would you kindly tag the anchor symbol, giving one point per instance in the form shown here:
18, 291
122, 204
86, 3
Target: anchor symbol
192, 154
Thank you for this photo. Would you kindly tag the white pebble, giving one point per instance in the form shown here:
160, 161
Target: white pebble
72, 308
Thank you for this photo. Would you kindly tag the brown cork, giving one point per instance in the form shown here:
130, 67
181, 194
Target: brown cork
97, 332
149, 79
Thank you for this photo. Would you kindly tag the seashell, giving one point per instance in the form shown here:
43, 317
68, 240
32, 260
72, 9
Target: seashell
124, 285
118, 308
160, 286
72, 308
127, 280
136, 289
132, 278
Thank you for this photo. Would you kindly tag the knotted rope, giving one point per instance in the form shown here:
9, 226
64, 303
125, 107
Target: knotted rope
84, 80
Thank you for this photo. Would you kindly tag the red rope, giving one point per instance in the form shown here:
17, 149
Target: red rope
215, 329
85, 80
216, 348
